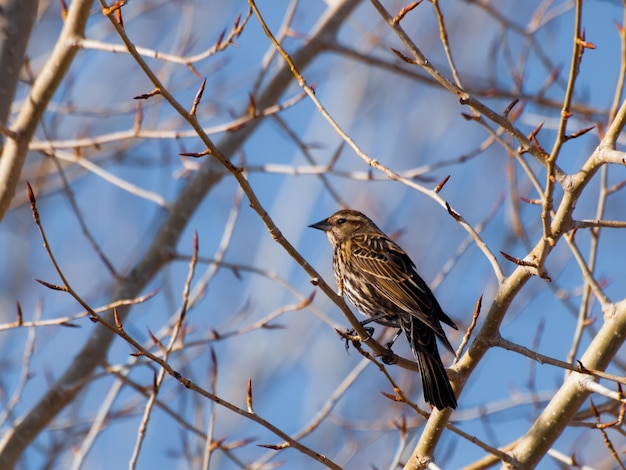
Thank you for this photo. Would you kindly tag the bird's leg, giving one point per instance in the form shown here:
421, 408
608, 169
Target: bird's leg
376, 317
388, 359
393, 340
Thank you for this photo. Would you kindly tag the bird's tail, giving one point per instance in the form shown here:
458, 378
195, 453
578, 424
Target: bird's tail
437, 389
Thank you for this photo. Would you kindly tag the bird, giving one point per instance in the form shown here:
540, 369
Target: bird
380, 280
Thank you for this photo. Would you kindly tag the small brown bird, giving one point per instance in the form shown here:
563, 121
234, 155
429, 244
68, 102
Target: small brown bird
379, 279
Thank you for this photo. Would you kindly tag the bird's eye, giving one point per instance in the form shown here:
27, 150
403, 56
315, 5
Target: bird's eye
341, 221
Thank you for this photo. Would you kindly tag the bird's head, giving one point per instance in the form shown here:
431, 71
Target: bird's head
345, 224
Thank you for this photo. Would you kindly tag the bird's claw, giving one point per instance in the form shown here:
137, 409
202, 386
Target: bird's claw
350, 335
388, 357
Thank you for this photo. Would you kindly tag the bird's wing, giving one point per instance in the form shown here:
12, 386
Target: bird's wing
390, 270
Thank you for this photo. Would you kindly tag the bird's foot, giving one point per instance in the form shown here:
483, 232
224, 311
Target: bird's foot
351, 336
389, 357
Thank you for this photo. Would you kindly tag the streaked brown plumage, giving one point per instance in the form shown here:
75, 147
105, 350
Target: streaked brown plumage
379, 279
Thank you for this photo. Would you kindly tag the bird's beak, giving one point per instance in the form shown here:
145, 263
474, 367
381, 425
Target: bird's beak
322, 225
